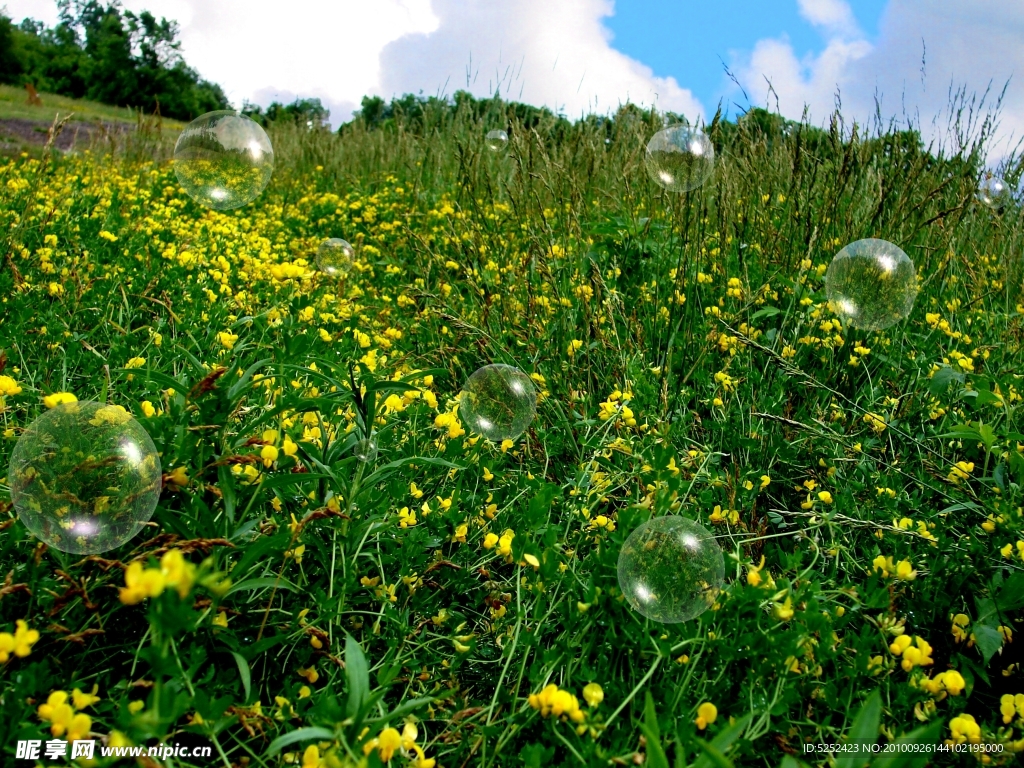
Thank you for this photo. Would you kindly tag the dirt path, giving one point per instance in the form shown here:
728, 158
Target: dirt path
17, 131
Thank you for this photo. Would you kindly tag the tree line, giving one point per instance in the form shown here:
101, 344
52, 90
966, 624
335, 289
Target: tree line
101, 52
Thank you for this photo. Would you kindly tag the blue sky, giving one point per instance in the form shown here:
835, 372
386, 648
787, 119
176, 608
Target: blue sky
689, 41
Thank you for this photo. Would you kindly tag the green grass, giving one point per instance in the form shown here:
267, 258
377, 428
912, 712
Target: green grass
688, 364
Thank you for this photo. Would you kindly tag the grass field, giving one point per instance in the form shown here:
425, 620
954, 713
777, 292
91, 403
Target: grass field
24, 126
455, 602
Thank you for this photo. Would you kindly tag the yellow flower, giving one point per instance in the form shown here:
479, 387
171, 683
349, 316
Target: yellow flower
177, 572
8, 386
82, 700
960, 624
386, 744
178, 477
20, 643
754, 573
227, 339
707, 713
311, 757
783, 611
593, 693
135, 362
574, 346
964, 728
220, 620
141, 583
52, 401
269, 455
490, 540
960, 471
876, 422
147, 409
825, 496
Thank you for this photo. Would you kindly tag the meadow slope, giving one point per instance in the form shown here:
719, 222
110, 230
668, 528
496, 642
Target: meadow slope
456, 600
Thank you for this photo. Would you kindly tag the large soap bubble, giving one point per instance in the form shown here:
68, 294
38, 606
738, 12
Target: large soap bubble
871, 284
671, 569
680, 158
334, 257
993, 192
223, 159
496, 140
499, 402
85, 477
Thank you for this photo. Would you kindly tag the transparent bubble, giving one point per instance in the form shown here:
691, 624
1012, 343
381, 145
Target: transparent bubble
496, 140
680, 158
223, 159
871, 284
365, 450
671, 569
334, 257
85, 477
993, 192
499, 402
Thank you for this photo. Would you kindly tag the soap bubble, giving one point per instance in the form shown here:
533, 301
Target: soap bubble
499, 402
365, 450
223, 159
496, 140
680, 158
85, 477
671, 569
871, 284
993, 192
334, 257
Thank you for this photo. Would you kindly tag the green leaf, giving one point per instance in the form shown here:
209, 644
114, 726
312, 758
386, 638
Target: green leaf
988, 640
1010, 596
766, 312
791, 762
714, 755
651, 716
291, 478
403, 709
656, 757
722, 742
863, 731
226, 485
928, 734
393, 465
302, 734
942, 378
243, 382
244, 673
265, 582
357, 672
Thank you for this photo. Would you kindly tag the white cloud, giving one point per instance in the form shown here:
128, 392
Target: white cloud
833, 15
555, 53
964, 44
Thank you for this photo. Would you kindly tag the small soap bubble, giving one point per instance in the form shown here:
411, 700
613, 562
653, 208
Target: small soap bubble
871, 284
85, 477
993, 192
334, 257
365, 450
498, 401
496, 140
223, 159
680, 158
671, 569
